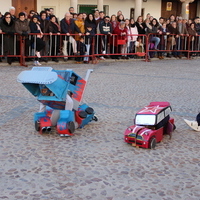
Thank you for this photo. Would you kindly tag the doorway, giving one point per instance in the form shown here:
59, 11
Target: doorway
91, 8
23, 6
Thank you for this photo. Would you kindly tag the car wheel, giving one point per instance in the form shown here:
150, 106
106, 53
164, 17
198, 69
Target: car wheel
37, 125
82, 114
95, 118
89, 110
71, 127
152, 143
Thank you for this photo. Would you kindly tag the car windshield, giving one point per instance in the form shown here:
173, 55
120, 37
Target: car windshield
145, 119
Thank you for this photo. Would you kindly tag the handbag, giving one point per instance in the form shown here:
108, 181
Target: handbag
121, 42
140, 54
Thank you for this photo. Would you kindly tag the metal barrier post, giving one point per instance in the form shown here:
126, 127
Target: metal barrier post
22, 51
147, 48
189, 46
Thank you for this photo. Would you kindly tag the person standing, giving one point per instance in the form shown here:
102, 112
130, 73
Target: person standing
12, 12
68, 27
89, 40
23, 29
44, 25
171, 41
8, 26
193, 38
80, 24
81, 50
197, 28
113, 21
105, 28
163, 31
183, 37
96, 15
71, 10
54, 28
121, 39
37, 42
132, 35
153, 29
141, 26
90, 22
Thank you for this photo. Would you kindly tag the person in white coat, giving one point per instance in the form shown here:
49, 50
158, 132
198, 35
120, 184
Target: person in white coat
132, 35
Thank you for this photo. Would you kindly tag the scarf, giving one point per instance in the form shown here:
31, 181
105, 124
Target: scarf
38, 27
133, 25
68, 22
57, 26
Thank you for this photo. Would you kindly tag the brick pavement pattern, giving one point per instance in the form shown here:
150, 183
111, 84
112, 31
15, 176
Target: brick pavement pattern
96, 163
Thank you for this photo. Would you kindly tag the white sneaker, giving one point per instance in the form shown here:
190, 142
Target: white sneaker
102, 58
37, 53
38, 63
104, 52
35, 63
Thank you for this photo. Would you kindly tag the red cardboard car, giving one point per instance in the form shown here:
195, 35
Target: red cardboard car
150, 124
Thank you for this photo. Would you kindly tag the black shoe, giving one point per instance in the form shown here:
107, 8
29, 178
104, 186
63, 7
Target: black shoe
113, 57
46, 60
43, 60
28, 59
169, 56
55, 60
9, 61
15, 59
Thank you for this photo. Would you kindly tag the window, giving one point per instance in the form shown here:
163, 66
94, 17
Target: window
145, 119
167, 111
160, 117
132, 12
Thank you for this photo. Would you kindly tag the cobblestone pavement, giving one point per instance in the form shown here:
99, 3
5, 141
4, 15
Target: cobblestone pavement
96, 163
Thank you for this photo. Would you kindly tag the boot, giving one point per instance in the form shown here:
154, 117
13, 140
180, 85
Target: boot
168, 55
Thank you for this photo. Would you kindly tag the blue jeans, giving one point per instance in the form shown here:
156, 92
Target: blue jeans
156, 40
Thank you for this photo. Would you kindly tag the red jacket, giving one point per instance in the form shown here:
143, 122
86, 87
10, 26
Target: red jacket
119, 35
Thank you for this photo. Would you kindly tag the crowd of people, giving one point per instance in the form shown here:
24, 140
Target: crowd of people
80, 35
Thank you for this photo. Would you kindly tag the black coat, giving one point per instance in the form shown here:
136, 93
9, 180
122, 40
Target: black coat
44, 25
53, 28
140, 29
69, 28
8, 38
91, 24
81, 47
33, 27
89, 38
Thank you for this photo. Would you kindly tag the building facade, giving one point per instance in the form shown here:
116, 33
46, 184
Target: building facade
130, 8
